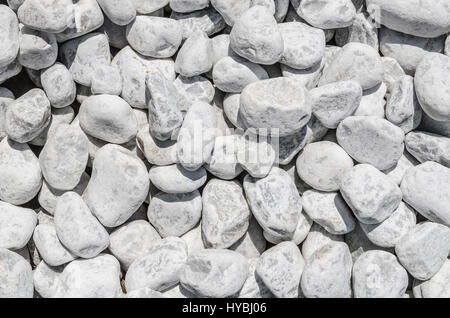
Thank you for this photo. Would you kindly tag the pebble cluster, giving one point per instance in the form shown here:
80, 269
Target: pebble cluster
224, 148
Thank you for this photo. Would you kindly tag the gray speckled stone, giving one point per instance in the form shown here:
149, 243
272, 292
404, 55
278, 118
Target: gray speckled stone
373, 102
38, 49
426, 187
275, 202
328, 14
194, 89
50, 248
46, 15
46, 279
208, 20
429, 147
147, 7
254, 287
316, 239
157, 152
175, 214
131, 241
90, 278
437, 286
328, 272
176, 179
378, 274
160, 268
59, 86
16, 226
246, 40
16, 278
225, 215
424, 249
280, 268
154, 36
389, 232
371, 140
231, 10
214, 273
20, 174
195, 56
106, 79
9, 37
77, 229
371, 195
121, 12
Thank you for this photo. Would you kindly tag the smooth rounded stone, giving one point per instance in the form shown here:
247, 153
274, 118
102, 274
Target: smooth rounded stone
109, 118
253, 243
323, 164
157, 152
9, 37
98, 277
429, 147
144, 293
148, 7
20, 174
27, 116
403, 108
392, 71
38, 50
334, 102
84, 54
438, 127
132, 241
372, 140
64, 157
301, 231
15, 275
328, 14
134, 69
408, 50
356, 61
194, 240
231, 105
280, 268
46, 15
304, 46
10, 71
363, 30
196, 138
207, 20
194, 89
87, 17
255, 155
175, 214
329, 210
154, 36
175, 179
427, 19
316, 239
371, 194
225, 215
195, 56
426, 187
328, 272
373, 102
397, 172
214, 273
281, 96
290, 146
431, 83
231, 10
378, 274
254, 287
424, 249
224, 162
256, 37
274, 202
16, 226
48, 196
186, 6
106, 79
232, 74
59, 117
46, 279
118, 11
389, 232
59, 86
437, 286
50, 248
119, 185
77, 229
6, 97
164, 106
160, 268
